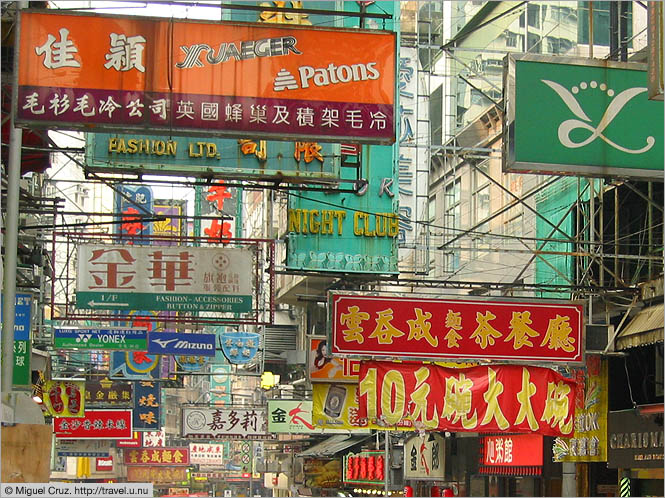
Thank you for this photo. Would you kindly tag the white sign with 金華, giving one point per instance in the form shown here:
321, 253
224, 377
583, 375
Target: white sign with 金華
164, 278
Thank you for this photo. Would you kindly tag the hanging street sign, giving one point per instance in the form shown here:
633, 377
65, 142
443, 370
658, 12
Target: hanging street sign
181, 344
174, 278
120, 338
599, 120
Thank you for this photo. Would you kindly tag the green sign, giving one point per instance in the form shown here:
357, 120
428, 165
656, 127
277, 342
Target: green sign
168, 155
120, 338
582, 117
21, 375
163, 302
348, 232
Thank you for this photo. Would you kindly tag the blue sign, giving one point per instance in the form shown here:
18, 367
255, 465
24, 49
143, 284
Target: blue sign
181, 344
23, 317
134, 365
147, 406
240, 347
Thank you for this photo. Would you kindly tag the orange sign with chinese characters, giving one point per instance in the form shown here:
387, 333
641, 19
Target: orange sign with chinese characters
241, 79
460, 329
501, 398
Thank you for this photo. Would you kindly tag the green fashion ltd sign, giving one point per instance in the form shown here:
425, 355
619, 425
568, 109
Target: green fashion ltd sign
581, 117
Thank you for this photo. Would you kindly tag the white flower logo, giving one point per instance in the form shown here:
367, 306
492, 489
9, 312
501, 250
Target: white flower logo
611, 112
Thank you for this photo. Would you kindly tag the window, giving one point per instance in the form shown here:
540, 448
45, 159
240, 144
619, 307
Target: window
452, 218
601, 23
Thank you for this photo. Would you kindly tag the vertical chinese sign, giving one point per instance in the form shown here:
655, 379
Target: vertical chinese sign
589, 441
131, 205
147, 406
21, 376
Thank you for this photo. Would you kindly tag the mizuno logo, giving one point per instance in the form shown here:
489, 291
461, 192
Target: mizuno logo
181, 344
163, 342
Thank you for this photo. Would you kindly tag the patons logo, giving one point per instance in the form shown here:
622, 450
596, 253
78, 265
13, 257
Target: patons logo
324, 76
584, 122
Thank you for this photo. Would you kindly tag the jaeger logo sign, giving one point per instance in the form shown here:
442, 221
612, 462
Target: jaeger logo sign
181, 344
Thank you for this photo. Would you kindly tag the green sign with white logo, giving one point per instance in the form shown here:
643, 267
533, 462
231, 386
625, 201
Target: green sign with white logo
582, 117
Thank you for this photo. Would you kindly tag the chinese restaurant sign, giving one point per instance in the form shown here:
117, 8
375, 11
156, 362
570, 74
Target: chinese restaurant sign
64, 398
156, 474
290, 416
225, 158
437, 328
424, 457
481, 399
514, 449
166, 278
589, 441
599, 119
365, 467
207, 453
147, 405
351, 232
234, 79
95, 424
157, 456
211, 423
326, 368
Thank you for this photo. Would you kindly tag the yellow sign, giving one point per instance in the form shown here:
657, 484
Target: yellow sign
64, 398
589, 441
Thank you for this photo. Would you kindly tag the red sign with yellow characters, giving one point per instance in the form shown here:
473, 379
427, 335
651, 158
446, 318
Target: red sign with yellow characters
497, 398
460, 329
157, 456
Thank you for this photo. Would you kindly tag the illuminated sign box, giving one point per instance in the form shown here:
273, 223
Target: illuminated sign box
119, 73
598, 120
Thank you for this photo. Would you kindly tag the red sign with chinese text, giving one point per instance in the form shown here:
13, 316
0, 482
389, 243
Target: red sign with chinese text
366, 467
515, 449
134, 442
485, 399
157, 456
96, 424
104, 464
459, 329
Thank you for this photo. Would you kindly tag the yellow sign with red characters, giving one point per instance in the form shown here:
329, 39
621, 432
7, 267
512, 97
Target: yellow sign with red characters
64, 398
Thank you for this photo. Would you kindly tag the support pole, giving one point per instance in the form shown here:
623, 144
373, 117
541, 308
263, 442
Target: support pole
11, 242
568, 479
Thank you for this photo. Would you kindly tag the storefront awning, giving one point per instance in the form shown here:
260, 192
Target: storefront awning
332, 445
645, 328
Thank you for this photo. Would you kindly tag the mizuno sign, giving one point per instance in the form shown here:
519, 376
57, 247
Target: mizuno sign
181, 344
